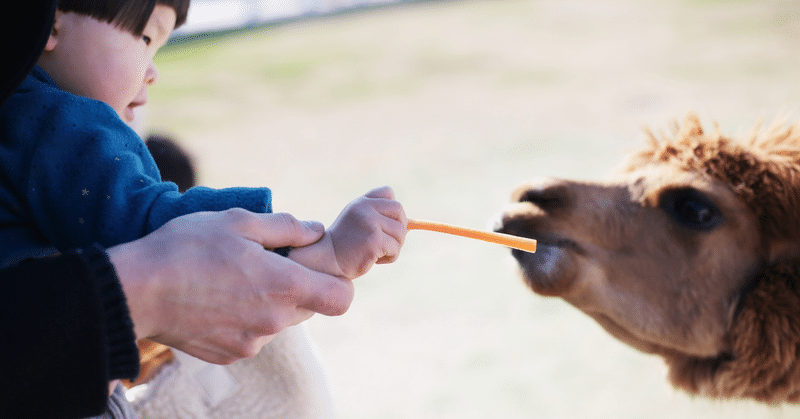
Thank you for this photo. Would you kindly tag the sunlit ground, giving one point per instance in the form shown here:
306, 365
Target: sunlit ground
453, 104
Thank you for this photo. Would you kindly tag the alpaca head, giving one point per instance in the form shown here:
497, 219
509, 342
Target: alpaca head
688, 252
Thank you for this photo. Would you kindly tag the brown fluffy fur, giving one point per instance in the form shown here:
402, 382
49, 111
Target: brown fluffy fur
763, 170
721, 307
765, 363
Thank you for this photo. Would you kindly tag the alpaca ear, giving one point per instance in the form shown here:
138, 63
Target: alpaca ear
785, 252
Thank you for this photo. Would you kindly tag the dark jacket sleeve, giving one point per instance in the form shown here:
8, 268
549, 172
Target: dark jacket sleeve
66, 333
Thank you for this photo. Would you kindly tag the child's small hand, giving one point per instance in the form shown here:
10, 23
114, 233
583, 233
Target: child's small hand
369, 230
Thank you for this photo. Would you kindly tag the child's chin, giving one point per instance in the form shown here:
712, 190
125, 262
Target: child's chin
128, 114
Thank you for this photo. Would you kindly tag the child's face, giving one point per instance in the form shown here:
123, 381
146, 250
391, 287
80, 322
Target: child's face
95, 59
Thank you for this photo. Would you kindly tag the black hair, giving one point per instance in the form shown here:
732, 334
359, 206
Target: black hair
173, 162
128, 15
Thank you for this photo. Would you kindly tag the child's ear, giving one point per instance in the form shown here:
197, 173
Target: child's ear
53, 39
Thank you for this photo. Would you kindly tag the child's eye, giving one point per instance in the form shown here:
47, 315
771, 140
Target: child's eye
146, 39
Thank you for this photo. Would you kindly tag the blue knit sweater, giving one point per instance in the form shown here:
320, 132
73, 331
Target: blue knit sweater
73, 174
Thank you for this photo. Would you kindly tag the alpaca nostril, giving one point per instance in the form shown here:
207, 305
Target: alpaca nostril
546, 198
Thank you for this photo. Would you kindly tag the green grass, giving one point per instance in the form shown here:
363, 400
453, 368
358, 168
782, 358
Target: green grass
453, 104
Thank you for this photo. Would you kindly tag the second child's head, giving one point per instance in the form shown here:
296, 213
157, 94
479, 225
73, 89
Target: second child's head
104, 49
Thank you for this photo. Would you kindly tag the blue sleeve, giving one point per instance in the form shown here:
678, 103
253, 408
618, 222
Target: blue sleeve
90, 179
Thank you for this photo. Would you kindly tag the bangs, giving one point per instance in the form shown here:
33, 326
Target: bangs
128, 15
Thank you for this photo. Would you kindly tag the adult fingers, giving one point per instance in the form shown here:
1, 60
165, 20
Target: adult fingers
328, 295
276, 229
296, 293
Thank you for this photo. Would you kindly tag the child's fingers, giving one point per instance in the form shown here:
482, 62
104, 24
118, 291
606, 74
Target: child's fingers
391, 251
383, 200
384, 220
384, 192
392, 220
389, 208
394, 236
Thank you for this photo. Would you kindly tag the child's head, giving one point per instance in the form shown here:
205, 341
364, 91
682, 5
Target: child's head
104, 49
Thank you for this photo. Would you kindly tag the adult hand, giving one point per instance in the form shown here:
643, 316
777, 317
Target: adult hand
204, 283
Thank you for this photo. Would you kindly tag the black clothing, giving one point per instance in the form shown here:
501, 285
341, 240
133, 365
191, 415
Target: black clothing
67, 332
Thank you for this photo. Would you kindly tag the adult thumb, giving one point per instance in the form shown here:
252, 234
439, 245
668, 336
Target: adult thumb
282, 230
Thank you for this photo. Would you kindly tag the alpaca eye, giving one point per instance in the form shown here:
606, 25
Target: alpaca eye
691, 209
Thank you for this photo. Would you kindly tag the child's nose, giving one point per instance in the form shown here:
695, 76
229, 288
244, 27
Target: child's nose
151, 76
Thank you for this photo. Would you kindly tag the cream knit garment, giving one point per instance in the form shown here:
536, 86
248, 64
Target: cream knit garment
285, 380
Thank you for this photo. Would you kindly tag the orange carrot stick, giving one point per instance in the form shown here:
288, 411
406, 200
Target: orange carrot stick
516, 242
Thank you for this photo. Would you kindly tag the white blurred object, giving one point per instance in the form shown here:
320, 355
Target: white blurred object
285, 380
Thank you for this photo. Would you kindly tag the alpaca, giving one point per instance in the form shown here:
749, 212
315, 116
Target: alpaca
690, 252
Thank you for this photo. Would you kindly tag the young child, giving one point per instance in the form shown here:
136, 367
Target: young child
72, 173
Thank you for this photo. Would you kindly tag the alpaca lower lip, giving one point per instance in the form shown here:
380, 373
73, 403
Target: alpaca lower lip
550, 270
544, 260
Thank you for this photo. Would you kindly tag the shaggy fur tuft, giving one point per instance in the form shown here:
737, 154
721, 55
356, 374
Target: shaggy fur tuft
764, 170
765, 363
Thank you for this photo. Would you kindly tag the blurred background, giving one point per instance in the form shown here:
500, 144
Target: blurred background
215, 15
453, 104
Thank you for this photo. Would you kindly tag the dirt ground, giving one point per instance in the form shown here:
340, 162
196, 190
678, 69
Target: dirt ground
453, 104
